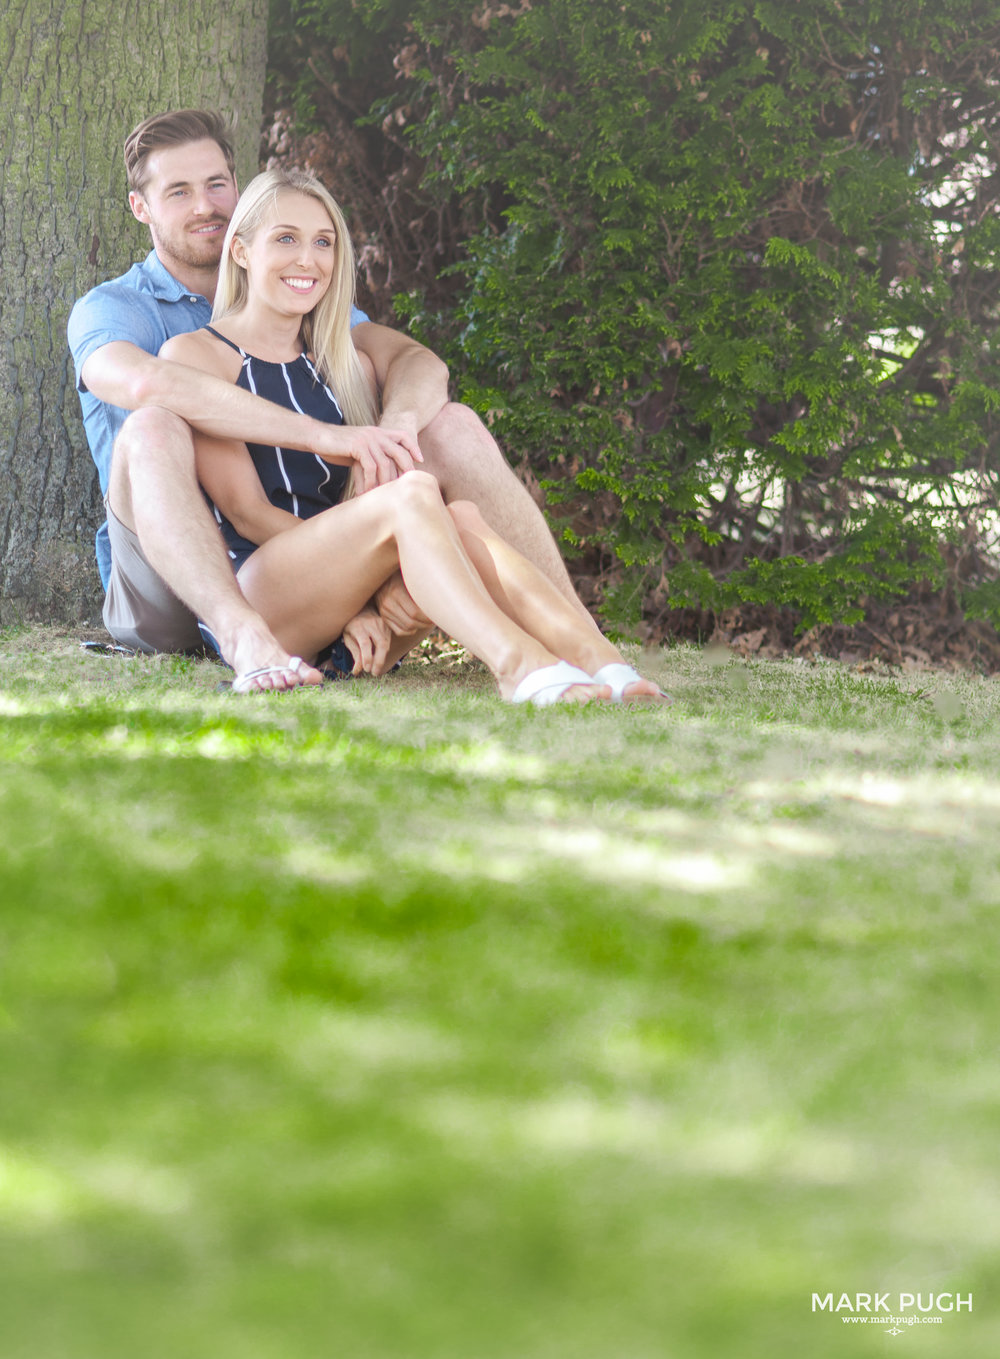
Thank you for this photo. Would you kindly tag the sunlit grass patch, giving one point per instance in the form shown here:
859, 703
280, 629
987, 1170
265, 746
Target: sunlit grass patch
386, 1020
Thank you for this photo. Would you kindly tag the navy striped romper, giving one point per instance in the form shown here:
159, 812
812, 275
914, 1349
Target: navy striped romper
293, 479
302, 483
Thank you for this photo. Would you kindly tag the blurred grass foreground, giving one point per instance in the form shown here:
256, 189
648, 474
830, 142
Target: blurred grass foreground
389, 1022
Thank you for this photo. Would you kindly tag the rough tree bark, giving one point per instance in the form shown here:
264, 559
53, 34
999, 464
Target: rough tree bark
75, 76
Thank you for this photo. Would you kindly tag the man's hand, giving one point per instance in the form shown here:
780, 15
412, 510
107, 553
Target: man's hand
378, 455
368, 638
396, 606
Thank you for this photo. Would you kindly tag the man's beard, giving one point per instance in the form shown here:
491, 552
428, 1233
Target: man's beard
195, 252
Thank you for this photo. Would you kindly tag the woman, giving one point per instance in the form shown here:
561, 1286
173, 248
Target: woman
307, 559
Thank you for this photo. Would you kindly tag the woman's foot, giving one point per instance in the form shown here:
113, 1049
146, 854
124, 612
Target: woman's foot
557, 683
628, 686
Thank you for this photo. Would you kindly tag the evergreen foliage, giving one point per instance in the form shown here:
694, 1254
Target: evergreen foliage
722, 274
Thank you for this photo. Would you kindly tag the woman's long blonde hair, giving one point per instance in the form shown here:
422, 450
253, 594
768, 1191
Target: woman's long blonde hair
326, 330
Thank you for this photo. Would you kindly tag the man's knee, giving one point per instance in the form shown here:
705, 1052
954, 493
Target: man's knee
465, 458
454, 431
154, 439
154, 432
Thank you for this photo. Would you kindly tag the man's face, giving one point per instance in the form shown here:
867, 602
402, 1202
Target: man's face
187, 202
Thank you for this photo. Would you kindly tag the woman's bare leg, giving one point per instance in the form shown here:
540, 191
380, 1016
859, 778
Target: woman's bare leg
530, 599
309, 581
465, 458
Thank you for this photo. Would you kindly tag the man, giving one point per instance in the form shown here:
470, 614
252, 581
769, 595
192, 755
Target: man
161, 556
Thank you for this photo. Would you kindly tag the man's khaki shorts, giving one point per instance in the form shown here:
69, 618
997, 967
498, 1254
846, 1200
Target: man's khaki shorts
140, 609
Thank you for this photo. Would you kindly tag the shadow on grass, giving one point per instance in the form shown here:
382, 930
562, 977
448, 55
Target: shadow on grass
393, 1024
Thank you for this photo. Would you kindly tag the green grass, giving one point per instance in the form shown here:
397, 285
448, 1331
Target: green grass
390, 1022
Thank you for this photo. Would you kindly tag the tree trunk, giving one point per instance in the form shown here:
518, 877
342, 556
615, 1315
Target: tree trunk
75, 77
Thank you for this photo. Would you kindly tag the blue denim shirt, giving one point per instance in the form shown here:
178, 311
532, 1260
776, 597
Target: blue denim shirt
145, 307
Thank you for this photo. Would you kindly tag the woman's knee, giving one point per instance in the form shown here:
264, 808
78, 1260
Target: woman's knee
414, 493
417, 486
467, 517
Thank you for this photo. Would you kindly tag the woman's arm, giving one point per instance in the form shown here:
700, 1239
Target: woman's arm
226, 472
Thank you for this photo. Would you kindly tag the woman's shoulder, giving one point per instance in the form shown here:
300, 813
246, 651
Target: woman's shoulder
203, 349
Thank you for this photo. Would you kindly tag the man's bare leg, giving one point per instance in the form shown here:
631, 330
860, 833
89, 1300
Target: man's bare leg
153, 490
468, 463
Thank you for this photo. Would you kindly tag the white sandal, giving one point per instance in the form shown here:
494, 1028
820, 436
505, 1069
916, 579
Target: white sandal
548, 684
618, 676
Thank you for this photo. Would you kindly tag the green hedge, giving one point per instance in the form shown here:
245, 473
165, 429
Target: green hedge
724, 275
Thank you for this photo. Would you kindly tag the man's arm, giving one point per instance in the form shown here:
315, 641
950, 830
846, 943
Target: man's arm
412, 380
124, 375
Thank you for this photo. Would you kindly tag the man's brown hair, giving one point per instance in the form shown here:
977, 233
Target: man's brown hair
175, 128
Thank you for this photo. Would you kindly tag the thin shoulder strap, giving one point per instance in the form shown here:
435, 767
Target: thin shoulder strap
212, 331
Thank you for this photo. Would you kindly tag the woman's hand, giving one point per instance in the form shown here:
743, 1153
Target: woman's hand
377, 455
368, 639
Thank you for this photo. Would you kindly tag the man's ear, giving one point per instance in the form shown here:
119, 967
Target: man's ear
138, 205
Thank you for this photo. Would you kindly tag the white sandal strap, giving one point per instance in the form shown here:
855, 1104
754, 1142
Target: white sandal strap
243, 684
548, 684
617, 676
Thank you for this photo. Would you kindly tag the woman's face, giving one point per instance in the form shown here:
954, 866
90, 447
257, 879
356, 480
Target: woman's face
291, 257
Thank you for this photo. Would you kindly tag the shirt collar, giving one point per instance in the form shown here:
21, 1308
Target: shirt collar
161, 282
